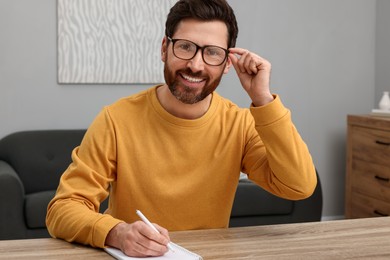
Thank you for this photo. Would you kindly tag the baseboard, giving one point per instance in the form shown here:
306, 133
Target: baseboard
328, 218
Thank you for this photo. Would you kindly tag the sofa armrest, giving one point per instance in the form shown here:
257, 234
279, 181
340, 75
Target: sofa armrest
12, 225
310, 209
255, 206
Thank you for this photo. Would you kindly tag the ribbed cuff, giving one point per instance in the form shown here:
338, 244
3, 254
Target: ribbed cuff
269, 113
102, 228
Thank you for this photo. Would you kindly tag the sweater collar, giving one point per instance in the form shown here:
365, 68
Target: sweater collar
165, 115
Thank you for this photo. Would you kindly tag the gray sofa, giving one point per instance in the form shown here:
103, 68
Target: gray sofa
31, 163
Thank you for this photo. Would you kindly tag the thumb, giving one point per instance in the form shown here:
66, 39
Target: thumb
234, 60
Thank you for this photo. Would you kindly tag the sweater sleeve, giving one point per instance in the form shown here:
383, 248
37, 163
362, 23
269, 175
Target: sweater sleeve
73, 214
276, 157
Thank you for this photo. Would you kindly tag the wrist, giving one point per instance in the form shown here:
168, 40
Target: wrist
113, 236
261, 101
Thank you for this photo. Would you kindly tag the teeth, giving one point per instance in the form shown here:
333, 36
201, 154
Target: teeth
191, 79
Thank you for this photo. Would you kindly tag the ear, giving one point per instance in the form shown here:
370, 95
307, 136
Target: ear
164, 47
227, 65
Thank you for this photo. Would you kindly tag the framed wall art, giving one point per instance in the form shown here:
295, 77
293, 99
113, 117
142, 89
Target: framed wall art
110, 41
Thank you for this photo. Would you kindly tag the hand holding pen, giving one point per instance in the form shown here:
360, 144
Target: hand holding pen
138, 239
144, 219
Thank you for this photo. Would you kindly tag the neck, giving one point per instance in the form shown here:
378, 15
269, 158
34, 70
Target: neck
180, 109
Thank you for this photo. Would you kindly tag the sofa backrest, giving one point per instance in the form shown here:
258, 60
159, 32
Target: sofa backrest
255, 206
40, 157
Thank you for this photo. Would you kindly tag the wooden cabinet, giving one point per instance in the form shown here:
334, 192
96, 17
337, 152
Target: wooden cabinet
368, 167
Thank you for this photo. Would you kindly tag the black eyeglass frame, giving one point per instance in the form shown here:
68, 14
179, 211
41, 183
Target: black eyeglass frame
197, 49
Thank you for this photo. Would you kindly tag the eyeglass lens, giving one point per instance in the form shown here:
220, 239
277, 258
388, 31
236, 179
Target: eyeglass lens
212, 55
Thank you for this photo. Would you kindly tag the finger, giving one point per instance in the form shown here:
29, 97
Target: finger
263, 65
162, 239
163, 231
239, 51
238, 56
140, 246
256, 64
234, 61
135, 249
242, 60
151, 247
253, 66
260, 61
146, 241
250, 64
140, 249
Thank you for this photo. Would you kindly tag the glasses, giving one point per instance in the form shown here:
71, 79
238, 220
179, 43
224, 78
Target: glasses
186, 50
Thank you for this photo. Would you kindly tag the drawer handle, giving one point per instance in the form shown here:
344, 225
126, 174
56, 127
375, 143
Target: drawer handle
382, 143
381, 178
380, 213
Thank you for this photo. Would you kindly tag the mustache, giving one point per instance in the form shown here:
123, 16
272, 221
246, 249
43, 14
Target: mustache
190, 73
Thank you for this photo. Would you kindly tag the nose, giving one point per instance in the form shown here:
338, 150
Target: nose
196, 63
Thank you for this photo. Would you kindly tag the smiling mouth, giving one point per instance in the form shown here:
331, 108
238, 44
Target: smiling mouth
191, 79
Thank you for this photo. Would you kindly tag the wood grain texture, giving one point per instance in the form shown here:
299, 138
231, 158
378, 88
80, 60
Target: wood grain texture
341, 239
368, 167
48, 248
366, 238
111, 41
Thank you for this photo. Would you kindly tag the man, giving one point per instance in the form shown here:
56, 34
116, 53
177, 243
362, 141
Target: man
175, 151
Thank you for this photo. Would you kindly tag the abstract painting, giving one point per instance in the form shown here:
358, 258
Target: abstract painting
110, 41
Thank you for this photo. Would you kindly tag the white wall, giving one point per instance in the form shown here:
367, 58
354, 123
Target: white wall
323, 67
382, 71
322, 51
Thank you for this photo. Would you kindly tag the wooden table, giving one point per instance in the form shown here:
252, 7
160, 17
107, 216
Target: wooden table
341, 239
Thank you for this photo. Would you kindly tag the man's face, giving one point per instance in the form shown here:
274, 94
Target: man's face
190, 81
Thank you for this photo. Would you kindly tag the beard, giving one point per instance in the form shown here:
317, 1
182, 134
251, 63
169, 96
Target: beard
186, 94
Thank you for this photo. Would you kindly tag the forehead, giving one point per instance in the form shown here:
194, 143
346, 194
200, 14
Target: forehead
203, 32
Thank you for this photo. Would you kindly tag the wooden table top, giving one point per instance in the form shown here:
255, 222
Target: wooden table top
341, 239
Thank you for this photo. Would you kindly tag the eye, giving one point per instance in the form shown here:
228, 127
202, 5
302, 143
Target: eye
185, 46
214, 51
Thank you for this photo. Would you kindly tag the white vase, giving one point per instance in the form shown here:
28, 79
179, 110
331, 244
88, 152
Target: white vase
384, 103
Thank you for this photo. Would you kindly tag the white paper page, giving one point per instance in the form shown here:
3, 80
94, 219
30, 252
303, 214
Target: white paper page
180, 254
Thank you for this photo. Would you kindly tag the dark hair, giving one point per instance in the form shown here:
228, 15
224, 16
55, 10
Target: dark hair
204, 10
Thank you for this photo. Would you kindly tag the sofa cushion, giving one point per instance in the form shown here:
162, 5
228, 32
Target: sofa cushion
40, 157
252, 200
36, 208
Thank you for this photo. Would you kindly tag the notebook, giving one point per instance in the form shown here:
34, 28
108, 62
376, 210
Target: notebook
180, 254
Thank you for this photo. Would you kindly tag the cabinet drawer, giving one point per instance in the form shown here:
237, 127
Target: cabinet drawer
371, 179
371, 145
364, 207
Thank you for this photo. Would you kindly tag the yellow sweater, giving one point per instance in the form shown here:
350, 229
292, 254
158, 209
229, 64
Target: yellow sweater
180, 173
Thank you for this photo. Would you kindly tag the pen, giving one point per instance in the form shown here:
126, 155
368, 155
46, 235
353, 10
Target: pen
147, 222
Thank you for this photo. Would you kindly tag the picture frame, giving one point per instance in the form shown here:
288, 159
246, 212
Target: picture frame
110, 41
